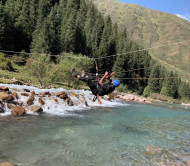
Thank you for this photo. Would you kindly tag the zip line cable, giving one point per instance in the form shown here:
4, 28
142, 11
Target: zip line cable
4, 51
129, 52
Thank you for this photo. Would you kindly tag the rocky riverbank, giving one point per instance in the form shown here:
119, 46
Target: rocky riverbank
132, 97
19, 100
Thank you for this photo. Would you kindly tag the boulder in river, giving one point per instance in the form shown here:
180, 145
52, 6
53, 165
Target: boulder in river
41, 101
188, 163
6, 97
153, 150
30, 100
14, 94
18, 110
5, 164
69, 102
3, 88
62, 95
36, 108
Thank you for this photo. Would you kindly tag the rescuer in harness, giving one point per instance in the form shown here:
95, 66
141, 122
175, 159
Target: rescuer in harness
97, 87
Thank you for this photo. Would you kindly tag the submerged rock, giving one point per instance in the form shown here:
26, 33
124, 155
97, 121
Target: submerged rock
153, 150
6, 164
188, 163
18, 110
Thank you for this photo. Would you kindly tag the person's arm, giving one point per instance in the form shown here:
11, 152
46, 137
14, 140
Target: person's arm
99, 99
109, 76
102, 79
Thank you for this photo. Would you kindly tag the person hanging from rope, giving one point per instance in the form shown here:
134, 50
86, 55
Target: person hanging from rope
98, 87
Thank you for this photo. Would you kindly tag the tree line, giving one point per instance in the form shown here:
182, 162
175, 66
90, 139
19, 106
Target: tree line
75, 26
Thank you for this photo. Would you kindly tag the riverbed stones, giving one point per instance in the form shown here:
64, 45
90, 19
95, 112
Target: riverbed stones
72, 94
6, 97
62, 95
41, 101
36, 108
14, 94
30, 100
4, 88
10, 106
18, 110
153, 150
6, 164
24, 94
26, 90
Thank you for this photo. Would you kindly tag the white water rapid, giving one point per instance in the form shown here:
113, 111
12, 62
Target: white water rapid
60, 107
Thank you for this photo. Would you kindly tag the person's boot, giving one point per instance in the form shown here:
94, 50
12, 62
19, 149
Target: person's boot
74, 74
83, 74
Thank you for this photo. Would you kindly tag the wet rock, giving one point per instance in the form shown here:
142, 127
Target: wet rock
6, 97
30, 100
112, 96
41, 101
62, 95
2, 107
24, 94
4, 88
26, 90
18, 110
6, 164
14, 94
69, 102
52, 98
73, 94
20, 103
36, 108
83, 101
47, 94
153, 150
10, 106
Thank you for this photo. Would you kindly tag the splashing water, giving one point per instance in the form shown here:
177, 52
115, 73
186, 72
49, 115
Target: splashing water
60, 107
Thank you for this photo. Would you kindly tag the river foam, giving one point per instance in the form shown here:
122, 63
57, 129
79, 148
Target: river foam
60, 107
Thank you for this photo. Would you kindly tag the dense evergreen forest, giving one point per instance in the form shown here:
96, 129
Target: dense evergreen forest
75, 26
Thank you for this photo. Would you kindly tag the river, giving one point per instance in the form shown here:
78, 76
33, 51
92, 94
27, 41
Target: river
97, 136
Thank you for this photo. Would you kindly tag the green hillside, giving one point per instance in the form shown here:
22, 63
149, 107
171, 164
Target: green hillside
152, 28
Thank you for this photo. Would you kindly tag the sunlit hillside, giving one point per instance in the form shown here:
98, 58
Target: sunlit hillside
152, 28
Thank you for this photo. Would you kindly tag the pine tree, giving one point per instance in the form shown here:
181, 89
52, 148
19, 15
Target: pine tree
172, 85
154, 83
2, 26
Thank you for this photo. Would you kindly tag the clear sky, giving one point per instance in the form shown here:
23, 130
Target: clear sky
181, 8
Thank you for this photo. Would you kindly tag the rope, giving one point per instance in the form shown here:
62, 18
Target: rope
153, 78
129, 52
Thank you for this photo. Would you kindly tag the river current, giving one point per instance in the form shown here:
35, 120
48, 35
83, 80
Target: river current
98, 136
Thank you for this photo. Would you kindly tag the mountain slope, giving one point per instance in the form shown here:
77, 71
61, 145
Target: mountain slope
152, 28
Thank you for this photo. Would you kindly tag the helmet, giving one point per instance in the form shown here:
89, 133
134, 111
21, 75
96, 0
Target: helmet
116, 82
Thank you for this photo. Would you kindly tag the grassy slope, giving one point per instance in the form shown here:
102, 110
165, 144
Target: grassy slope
152, 28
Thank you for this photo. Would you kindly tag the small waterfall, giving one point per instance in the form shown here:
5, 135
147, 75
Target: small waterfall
81, 100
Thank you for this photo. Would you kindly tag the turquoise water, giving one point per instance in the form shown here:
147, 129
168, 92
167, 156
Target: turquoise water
103, 137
